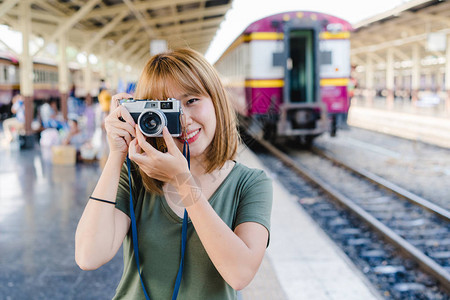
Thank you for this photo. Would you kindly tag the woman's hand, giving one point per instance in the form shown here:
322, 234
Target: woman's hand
119, 133
166, 167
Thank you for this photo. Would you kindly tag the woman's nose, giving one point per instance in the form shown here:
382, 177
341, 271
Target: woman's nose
187, 118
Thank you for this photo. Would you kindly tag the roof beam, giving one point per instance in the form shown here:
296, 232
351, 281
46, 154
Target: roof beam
126, 37
191, 41
220, 10
177, 18
434, 18
41, 16
50, 8
13, 23
188, 29
141, 19
397, 11
125, 55
138, 56
444, 6
435, 53
188, 35
105, 30
67, 24
6, 6
400, 54
190, 26
138, 5
398, 42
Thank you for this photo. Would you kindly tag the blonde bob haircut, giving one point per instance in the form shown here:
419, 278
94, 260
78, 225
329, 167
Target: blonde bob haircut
188, 71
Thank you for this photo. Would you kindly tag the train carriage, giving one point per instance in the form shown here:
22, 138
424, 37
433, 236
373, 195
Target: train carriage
288, 74
45, 81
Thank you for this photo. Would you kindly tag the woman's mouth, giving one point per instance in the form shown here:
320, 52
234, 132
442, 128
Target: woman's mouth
190, 137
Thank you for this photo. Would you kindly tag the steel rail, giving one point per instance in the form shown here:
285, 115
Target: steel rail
389, 186
425, 263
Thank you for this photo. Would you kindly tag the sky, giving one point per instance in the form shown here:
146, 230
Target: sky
245, 12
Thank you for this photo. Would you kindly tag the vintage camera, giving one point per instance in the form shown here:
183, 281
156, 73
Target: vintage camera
152, 115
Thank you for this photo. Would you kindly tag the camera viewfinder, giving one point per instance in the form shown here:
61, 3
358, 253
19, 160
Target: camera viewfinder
166, 105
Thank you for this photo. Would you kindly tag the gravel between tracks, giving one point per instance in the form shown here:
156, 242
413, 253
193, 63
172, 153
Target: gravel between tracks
420, 168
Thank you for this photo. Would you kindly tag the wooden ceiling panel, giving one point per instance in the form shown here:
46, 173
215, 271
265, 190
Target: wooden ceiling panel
181, 22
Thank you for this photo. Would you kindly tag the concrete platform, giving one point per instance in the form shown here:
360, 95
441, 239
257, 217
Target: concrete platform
404, 119
40, 205
302, 262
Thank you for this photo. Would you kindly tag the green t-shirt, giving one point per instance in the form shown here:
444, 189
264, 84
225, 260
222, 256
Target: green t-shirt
244, 196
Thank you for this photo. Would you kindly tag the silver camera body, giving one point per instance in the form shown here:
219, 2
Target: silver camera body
152, 115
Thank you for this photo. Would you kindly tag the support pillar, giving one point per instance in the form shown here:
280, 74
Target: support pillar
370, 91
87, 72
115, 84
63, 75
447, 76
390, 83
415, 73
103, 61
26, 64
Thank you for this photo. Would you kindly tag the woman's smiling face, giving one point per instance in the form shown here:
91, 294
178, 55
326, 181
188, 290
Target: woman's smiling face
199, 120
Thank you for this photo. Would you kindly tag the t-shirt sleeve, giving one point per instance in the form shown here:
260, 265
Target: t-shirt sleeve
255, 204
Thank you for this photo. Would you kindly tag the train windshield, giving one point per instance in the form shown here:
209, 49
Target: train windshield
301, 66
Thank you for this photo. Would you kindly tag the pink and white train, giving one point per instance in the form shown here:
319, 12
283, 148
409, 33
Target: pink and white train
288, 74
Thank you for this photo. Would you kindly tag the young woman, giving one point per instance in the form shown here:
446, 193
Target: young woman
228, 204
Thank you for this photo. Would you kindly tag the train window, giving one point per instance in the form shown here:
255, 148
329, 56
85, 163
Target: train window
13, 74
336, 58
5, 74
325, 57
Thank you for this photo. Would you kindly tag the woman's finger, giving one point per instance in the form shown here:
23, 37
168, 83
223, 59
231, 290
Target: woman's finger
116, 98
125, 115
135, 154
119, 132
142, 141
171, 146
128, 139
124, 125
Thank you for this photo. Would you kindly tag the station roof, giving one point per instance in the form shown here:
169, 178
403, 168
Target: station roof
411, 22
126, 27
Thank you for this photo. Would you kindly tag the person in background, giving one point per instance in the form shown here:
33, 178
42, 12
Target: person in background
75, 136
14, 126
50, 116
104, 98
228, 204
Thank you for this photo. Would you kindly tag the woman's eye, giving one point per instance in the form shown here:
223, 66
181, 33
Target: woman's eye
190, 101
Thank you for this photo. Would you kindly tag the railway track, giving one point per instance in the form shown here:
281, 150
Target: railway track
416, 227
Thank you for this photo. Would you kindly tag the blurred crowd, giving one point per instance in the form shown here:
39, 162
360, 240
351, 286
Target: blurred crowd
82, 129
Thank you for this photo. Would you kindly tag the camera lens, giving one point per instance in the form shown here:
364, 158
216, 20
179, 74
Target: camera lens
151, 123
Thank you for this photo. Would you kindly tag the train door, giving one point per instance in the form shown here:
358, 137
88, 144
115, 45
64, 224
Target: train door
301, 85
301, 66
301, 114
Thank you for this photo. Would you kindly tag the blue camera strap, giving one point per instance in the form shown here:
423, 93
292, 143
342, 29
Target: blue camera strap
183, 232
